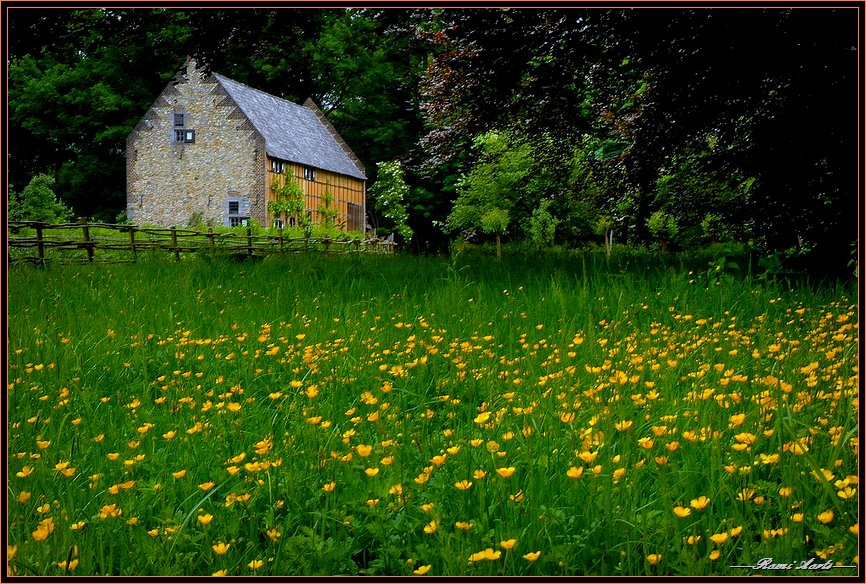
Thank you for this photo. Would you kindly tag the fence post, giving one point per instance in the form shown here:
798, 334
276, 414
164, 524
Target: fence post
249, 241
88, 244
174, 244
327, 243
280, 231
40, 243
132, 243
210, 237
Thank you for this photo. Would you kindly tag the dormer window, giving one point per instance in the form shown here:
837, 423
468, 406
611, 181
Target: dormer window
179, 121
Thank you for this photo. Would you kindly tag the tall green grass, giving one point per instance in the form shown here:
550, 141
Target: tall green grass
326, 415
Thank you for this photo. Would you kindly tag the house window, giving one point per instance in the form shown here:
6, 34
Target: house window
292, 221
277, 166
184, 136
309, 173
278, 223
237, 214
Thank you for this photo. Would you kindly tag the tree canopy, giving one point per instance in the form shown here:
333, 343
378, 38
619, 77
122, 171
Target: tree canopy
740, 124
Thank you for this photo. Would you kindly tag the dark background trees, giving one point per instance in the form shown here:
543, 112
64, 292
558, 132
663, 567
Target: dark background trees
739, 124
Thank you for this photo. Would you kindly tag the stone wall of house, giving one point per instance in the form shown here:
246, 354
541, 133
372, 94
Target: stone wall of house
169, 183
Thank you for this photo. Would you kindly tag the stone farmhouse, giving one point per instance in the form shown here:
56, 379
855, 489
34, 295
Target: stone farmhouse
211, 148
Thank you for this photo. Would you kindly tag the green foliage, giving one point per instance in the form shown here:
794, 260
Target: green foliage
289, 200
663, 226
542, 225
37, 202
390, 195
708, 203
327, 213
196, 220
488, 191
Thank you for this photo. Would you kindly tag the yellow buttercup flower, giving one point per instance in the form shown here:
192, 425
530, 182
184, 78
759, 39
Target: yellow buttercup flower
255, 564
505, 472
575, 472
507, 544
532, 556
654, 559
205, 519
431, 527
700, 502
44, 529
220, 548
463, 485
110, 511
68, 565
421, 570
680, 511
487, 554
179, 474
206, 486
826, 517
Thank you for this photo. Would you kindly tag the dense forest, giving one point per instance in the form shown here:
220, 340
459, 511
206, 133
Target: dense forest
672, 128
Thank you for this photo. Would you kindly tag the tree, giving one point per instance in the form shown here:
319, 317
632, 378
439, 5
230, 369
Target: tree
75, 96
37, 202
389, 194
488, 192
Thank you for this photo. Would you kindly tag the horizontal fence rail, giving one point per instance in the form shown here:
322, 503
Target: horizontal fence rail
35, 242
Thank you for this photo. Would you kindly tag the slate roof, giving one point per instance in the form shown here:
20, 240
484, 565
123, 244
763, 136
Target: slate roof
292, 132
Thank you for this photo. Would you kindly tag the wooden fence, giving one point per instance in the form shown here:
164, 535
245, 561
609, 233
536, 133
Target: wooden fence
34, 242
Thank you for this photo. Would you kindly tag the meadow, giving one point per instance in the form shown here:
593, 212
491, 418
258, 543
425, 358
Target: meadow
393, 415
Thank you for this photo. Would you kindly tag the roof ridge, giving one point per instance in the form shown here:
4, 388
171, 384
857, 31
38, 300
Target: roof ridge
219, 76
